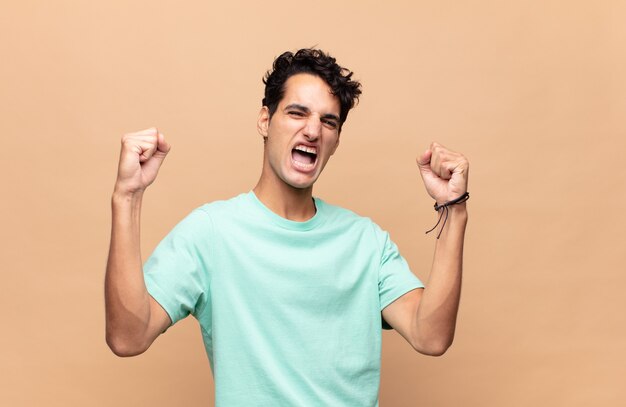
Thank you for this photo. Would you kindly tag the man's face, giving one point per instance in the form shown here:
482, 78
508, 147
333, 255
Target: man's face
303, 132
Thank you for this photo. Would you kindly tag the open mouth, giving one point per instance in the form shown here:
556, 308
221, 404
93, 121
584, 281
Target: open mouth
304, 156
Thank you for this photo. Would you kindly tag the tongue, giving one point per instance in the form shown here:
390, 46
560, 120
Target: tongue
301, 157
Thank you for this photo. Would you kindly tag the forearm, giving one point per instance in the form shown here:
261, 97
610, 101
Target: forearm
437, 311
126, 298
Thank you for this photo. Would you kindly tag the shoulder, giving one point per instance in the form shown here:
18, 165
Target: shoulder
221, 207
362, 228
200, 220
347, 218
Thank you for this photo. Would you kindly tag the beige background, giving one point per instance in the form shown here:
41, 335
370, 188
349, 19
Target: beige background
533, 92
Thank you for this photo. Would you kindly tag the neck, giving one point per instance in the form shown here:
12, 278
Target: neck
284, 200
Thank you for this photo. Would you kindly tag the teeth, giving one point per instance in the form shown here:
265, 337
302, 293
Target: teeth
303, 165
306, 149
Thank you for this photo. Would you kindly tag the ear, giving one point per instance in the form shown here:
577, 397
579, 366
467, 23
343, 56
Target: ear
263, 122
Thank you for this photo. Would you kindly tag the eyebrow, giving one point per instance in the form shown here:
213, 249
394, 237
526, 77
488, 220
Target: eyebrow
305, 109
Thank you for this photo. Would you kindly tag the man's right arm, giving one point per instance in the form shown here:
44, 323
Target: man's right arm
133, 318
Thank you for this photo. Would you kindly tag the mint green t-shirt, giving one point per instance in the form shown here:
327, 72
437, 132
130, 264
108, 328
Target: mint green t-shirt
290, 312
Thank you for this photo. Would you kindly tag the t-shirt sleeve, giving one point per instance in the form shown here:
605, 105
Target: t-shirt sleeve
176, 273
395, 277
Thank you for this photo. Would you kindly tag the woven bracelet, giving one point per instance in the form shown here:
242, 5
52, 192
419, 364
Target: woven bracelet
444, 206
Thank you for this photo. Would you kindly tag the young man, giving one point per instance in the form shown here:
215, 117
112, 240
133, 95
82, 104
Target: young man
290, 292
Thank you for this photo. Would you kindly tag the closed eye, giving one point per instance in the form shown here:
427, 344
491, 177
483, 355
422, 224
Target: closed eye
330, 123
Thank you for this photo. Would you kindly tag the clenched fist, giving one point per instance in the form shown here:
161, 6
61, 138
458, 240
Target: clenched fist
142, 154
444, 173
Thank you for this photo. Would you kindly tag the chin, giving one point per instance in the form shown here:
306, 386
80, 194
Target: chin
300, 182
301, 185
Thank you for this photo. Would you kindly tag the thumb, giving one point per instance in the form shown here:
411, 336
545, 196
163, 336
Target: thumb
423, 161
162, 145
152, 165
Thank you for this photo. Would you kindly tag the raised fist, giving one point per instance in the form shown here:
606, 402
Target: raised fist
444, 173
140, 158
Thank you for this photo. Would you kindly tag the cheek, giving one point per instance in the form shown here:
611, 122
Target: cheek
282, 132
276, 148
333, 143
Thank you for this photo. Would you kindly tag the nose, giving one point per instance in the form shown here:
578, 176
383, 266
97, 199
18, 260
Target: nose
313, 128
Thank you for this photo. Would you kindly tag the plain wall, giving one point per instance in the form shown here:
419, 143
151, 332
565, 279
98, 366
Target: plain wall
532, 92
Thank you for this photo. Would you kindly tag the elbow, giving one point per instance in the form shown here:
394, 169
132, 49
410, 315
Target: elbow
438, 350
433, 347
122, 347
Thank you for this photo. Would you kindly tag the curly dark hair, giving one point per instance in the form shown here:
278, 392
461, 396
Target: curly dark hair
315, 62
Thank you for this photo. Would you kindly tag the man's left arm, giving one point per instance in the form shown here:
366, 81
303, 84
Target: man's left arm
426, 318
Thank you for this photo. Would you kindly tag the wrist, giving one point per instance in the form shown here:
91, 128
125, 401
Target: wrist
458, 208
122, 196
458, 212
455, 208
454, 201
